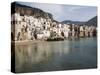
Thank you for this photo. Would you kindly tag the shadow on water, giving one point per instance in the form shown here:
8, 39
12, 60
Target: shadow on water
58, 55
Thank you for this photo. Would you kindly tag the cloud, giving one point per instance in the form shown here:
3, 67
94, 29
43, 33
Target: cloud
71, 9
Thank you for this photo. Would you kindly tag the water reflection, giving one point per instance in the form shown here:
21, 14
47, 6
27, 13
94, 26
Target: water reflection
59, 55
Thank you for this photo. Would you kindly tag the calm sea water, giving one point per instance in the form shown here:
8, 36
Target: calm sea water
56, 55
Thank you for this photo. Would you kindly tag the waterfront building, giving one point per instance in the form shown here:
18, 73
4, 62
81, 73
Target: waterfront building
81, 31
25, 27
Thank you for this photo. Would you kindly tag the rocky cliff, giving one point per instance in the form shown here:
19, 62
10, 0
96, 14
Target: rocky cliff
27, 10
92, 21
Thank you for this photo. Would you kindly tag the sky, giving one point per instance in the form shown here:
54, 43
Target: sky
66, 12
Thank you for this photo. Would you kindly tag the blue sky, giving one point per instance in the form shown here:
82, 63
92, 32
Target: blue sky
66, 12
